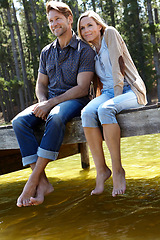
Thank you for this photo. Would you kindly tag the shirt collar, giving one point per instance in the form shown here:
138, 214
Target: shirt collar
73, 42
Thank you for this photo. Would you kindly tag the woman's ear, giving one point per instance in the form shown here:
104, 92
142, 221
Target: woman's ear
100, 27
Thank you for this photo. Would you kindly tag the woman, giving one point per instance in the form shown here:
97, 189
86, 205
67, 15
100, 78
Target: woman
122, 89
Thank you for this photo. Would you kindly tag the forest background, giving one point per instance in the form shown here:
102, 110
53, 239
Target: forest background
24, 32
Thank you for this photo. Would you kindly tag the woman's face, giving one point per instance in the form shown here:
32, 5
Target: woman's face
90, 30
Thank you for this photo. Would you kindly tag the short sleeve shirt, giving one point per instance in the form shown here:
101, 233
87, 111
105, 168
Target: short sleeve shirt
63, 65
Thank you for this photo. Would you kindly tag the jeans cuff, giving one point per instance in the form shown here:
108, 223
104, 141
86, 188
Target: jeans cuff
29, 160
47, 154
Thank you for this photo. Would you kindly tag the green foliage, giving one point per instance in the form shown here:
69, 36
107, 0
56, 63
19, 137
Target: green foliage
137, 37
130, 17
2, 83
13, 84
3, 3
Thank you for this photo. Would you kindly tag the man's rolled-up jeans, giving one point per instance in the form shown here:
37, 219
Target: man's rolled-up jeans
25, 122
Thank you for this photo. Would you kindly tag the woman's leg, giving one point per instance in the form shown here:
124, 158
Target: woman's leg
112, 138
94, 139
111, 130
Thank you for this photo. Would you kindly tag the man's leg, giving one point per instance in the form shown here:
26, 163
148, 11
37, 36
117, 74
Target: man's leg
48, 150
43, 188
23, 125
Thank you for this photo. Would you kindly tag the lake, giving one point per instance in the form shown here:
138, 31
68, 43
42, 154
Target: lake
71, 213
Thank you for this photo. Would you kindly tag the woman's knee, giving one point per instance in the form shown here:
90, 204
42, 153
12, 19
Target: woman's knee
89, 119
107, 114
88, 113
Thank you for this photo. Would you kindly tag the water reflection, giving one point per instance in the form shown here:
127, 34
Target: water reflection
71, 213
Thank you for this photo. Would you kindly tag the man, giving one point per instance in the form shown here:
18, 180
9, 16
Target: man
65, 72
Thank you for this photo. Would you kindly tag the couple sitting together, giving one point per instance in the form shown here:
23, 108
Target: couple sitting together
67, 67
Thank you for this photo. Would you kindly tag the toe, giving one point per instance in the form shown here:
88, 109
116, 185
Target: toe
19, 202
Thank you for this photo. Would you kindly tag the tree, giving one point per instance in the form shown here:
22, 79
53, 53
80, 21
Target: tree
20, 91
155, 49
31, 45
27, 89
35, 25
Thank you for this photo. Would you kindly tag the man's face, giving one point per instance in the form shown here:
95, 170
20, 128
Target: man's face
58, 23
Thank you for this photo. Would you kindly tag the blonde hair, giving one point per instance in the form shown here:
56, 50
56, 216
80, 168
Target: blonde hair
60, 7
96, 18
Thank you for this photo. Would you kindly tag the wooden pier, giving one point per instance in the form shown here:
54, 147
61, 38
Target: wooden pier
133, 122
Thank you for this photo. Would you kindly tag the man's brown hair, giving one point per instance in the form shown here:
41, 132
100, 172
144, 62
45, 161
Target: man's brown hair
60, 7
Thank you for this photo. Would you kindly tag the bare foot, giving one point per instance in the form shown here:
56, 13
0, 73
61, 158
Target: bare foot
29, 191
43, 189
100, 180
119, 183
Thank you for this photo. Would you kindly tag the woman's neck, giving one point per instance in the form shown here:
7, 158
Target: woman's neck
97, 43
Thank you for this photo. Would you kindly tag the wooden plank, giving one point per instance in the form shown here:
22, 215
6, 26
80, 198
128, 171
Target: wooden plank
83, 147
141, 122
73, 134
7, 138
11, 160
132, 122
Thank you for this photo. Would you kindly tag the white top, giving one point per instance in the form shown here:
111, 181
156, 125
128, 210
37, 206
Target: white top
103, 66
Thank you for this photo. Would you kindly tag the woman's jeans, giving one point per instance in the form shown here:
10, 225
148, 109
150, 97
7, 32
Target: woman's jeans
25, 122
104, 108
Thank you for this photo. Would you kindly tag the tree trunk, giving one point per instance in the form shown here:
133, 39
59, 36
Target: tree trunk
21, 55
156, 15
2, 106
94, 5
35, 25
15, 56
31, 45
155, 49
112, 12
135, 37
10, 109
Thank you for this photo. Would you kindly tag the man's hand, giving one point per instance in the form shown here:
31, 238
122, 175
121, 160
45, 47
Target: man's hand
42, 109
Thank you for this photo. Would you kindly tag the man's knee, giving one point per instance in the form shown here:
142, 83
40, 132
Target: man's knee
55, 120
16, 121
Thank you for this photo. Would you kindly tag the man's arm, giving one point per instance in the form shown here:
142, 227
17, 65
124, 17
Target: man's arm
81, 90
42, 87
42, 94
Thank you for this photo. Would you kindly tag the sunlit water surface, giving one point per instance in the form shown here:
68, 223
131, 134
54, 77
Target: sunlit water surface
70, 213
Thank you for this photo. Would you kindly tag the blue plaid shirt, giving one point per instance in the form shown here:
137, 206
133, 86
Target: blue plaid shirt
63, 65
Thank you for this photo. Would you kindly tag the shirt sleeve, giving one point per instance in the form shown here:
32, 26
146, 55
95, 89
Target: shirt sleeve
87, 63
42, 63
115, 46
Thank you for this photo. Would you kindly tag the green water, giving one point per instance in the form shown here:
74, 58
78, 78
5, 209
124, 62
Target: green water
70, 213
